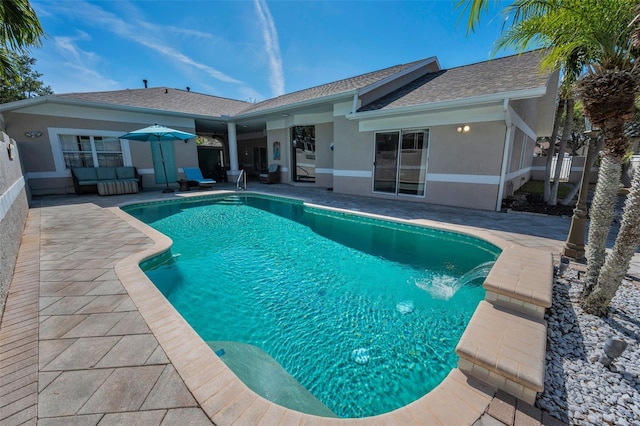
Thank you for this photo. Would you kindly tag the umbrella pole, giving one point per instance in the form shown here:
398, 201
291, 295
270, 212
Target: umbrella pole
164, 169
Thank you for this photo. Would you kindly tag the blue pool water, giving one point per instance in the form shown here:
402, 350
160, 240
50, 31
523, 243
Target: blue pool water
364, 313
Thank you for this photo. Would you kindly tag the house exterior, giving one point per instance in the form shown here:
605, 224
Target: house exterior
463, 136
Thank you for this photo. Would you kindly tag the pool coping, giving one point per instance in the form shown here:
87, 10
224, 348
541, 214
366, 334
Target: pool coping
486, 364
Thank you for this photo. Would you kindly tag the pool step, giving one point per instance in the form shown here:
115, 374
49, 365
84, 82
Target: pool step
232, 201
505, 349
522, 280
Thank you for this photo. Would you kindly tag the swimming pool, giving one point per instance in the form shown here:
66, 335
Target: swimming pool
364, 313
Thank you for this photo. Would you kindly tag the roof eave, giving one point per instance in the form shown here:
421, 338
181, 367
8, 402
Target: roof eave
455, 103
9, 106
84, 103
288, 107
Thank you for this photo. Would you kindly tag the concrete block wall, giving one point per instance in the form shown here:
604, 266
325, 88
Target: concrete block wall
14, 208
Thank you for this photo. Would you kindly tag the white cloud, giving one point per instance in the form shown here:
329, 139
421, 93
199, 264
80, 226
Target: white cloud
272, 47
71, 69
135, 28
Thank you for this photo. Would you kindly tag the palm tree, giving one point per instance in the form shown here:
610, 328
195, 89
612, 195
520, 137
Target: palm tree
593, 35
19, 29
623, 83
608, 93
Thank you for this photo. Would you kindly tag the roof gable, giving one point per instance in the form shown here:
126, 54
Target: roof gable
346, 86
505, 75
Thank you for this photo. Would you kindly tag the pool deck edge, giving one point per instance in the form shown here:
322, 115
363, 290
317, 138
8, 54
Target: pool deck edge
225, 399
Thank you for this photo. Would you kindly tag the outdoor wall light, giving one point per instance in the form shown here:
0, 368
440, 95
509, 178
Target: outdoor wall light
463, 129
33, 134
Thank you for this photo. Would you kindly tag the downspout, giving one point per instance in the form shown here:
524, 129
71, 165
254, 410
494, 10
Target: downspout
505, 153
354, 108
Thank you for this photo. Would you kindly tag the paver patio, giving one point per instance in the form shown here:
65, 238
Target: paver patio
75, 349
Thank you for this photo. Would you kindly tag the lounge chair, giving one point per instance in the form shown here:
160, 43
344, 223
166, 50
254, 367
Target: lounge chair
194, 175
272, 175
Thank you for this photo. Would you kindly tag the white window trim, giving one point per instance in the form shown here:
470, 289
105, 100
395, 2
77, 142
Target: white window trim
56, 148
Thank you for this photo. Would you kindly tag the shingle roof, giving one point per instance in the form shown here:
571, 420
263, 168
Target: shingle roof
334, 88
511, 73
165, 99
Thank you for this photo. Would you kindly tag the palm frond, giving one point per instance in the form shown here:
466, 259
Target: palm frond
20, 26
475, 8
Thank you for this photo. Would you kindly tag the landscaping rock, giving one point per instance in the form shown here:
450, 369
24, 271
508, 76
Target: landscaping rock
579, 390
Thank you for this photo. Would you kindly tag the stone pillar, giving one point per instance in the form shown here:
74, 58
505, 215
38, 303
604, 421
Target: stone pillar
233, 153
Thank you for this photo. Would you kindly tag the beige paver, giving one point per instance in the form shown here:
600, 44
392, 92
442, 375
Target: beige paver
511, 347
128, 351
69, 392
81, 243
124, 390
186, 416
503, 407
19, 334
169, 392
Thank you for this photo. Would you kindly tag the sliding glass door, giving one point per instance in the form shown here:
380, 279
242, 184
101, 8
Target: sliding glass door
385, 173
400, 165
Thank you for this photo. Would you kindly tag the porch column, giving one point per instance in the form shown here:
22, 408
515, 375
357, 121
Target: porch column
233, 152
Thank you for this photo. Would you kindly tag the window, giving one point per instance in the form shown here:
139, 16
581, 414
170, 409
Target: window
400, 165
303, 140
91, 151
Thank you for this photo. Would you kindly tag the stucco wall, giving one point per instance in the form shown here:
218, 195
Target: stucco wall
474, 196
451, 154
280, 135
527, 109
324, 155
478, 152
353, 150
13, 213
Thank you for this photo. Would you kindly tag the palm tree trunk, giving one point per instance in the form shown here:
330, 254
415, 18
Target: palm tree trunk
566, 130
552, 149
602, 212
617, 262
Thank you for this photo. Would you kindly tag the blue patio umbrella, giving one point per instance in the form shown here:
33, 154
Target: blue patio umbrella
158, 133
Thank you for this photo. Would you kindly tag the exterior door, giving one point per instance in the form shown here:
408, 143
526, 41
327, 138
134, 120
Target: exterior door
400, 164
385, 165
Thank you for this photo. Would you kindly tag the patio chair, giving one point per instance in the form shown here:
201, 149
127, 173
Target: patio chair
272, 175
194, 175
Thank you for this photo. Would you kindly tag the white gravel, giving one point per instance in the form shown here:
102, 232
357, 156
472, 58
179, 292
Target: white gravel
578, 388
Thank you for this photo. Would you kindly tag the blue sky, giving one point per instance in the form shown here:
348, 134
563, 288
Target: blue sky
247, 50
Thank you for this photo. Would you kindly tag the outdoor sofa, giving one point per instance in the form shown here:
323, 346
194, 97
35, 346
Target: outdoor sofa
106, 180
